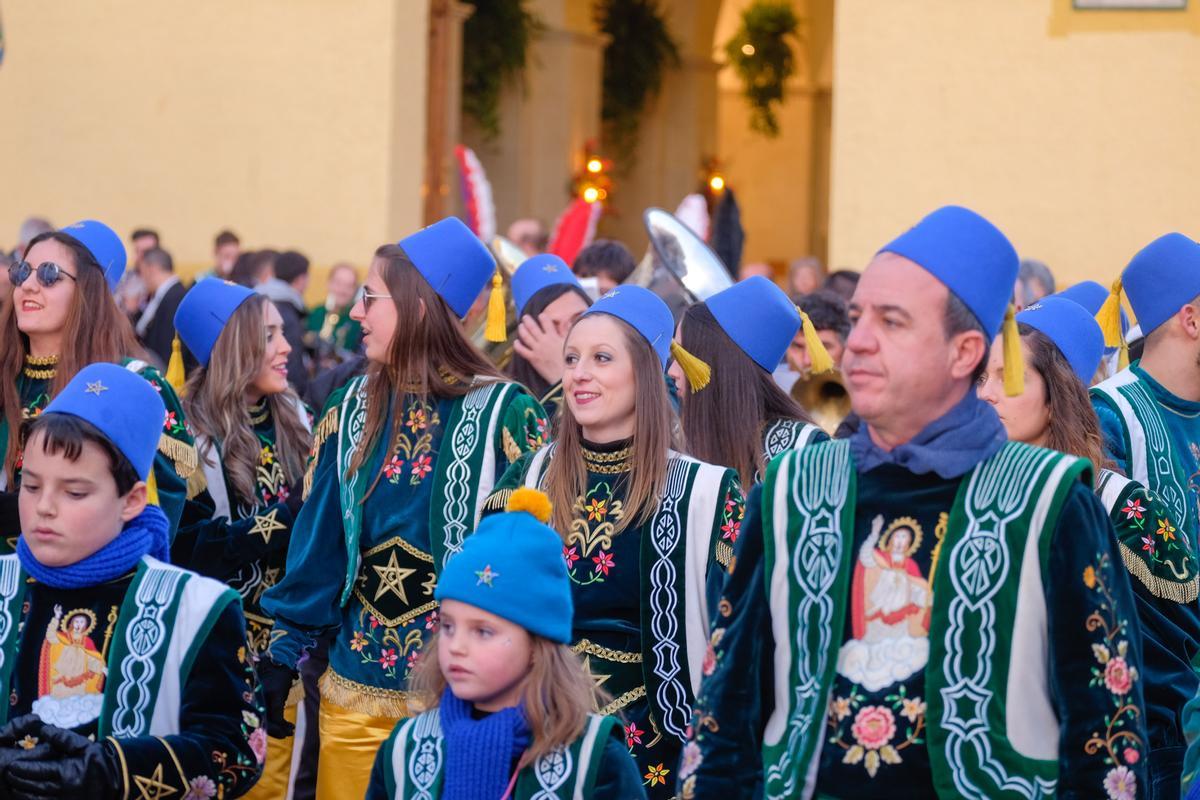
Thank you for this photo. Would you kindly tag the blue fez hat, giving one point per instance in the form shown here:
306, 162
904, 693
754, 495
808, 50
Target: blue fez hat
119, 403
105, 246
1073, 330
512, 566
1161, 278
203, 312
644, 311
758, 317
1091, 295
536, 274
969, 255
453, 260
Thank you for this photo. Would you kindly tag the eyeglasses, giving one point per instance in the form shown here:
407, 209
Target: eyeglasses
369, 297
48, 273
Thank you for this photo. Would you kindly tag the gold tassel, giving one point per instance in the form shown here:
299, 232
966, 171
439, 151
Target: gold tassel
175, 372
151, 489
1109, 319
496, 330
1014, 361
182, 455
698, 373
818, 356
197, 482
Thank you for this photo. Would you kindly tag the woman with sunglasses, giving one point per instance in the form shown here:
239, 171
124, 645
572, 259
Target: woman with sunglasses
740, 417
647, 532
1063, 347
402, 460
63, 317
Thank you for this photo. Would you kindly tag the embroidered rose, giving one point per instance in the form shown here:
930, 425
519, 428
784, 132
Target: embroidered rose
874, 726
633, 735
358, 641
387, 658
201, 788
1121, 784
1117, 676
571, 555
422, 466
1134, 509
1132, 756
710, 660
913, 709
258, 744
1166, 530
840, 708
604, 562
691, 759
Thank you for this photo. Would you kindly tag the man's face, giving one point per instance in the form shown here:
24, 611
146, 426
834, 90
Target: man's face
899, 367
800, 360
227, 256
140, 245
341, 287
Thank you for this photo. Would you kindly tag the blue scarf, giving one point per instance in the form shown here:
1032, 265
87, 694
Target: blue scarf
950, 446
480, 752
145, 534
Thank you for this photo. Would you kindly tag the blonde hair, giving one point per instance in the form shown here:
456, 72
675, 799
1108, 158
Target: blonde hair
557, 695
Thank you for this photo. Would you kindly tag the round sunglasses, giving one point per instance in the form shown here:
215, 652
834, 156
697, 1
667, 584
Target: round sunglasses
48, 273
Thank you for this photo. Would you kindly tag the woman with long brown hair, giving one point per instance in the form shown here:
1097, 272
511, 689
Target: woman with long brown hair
403, 458
647, 532
739, 417
1063, 347
63, 317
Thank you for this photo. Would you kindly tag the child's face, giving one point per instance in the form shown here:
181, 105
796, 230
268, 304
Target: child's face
71, 509
484, 658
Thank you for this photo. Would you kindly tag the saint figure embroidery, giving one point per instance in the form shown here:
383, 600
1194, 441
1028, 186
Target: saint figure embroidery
71, 671
890, 603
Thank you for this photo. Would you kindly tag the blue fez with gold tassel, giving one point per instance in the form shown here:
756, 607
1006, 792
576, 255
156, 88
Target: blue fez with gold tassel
537, 273
204, 312
979, 266
119, 403
1072, 330
758, 317
105, 246
452, 260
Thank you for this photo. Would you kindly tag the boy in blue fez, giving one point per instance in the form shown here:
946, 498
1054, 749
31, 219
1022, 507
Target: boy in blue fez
126, 676
403, 458
924, 609
548, 298
510, 706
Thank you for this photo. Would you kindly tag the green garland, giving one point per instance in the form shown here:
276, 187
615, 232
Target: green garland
638, 53
763, 58
496, 41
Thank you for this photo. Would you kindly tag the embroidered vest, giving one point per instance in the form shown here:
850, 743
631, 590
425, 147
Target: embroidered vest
1151, 456
415, 758
988, 636
163, 623
787, 434
675, 557
463, 476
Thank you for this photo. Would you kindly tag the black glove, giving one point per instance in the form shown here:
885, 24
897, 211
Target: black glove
21, 738
277, 683
79, 767
10, 515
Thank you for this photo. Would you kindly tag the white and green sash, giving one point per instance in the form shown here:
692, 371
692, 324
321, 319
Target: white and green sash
787, 434
163, 623
988, 633
415, 757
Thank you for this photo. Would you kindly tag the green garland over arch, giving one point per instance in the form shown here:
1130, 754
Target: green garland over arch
761, 54
496, 42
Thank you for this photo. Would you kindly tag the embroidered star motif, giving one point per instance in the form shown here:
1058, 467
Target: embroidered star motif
153, 788
95, 387
391, 578
598, 679
486, 576
267, 524
550, 268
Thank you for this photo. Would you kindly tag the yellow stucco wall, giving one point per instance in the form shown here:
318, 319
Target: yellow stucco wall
1075, 131
298, 123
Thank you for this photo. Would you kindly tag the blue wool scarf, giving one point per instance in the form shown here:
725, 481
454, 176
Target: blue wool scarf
480, 752
950, 446
145, 534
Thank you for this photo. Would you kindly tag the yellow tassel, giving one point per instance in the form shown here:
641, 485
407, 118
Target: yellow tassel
496, 330
1109, 317
531, 501
1014, 360
175, 374
818, 356
698, 373
151, 489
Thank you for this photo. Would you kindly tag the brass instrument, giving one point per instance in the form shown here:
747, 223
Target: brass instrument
678, 266
824, 397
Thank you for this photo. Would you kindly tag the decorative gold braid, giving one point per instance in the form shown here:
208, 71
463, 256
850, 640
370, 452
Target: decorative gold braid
1175, 591
327, 427
364, 699
608, 463
607, 653
498, 500
124, 765
259, 413
182, 454
724, 555
41, 361
40, 374
620, 702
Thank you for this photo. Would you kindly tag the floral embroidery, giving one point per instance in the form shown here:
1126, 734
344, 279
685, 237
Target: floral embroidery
235, 767
1133, 509
593, 526
657, 775
1118, 743
265, 456
596, 510
393, 468
731, 518
358, 642
570, 555
417, 420
1166, 530
387, 658
422, 465
1148, 545
389, 647
432, 621
200, 788
604, 562
874, 728
258, 744
633, 735
413, 445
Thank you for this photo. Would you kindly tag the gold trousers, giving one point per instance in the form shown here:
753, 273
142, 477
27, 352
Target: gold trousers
349, 741
283, 757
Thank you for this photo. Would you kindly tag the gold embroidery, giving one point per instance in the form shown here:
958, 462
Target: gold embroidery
427, 586
939, 533
267, 524
182, 455
588, 647
725, 556
498, 500
327, 427
364, 699
260, 412
391, 579
608, 463
598, 678
152, 787
41, 368
511, 450
599, 507
624, 700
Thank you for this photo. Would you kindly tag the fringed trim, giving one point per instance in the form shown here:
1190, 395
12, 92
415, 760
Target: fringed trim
363, 699
327, 427
296, 695
1164, 588
197, 482
182, 454
724, 555
511, 450
498, 500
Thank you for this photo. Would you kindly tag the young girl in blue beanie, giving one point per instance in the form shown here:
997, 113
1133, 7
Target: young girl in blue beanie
509, 704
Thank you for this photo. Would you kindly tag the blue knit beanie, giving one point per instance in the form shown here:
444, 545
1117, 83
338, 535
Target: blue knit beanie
512, 566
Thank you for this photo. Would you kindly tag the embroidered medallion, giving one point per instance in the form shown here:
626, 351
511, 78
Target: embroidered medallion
396, 582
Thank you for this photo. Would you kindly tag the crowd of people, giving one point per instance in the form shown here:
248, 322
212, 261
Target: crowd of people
924, 530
